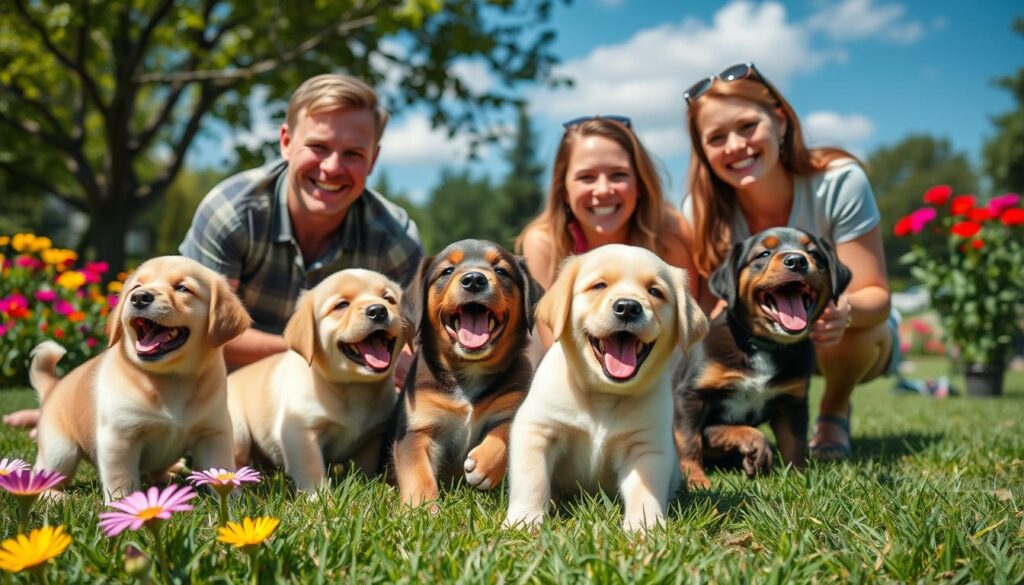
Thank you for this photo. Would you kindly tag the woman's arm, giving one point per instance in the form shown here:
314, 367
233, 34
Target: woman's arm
538, 251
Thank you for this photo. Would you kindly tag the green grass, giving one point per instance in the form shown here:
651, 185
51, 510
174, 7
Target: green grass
935, 493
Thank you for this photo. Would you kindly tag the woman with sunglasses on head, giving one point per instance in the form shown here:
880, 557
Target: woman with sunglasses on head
604, 190
750, 170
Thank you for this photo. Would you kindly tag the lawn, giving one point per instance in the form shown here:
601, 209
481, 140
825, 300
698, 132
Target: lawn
935, 493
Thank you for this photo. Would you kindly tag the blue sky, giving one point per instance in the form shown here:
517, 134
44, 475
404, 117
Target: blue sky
860, 73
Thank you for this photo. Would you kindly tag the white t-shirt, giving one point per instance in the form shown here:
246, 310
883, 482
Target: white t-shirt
837, 204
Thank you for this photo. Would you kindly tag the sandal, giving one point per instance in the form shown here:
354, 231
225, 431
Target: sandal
833, 451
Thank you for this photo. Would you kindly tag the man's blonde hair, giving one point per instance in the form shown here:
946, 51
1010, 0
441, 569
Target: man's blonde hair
332, 91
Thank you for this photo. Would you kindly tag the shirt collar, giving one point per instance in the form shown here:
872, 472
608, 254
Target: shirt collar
282, 224
351, 233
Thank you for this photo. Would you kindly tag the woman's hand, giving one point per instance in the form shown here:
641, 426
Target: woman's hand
829, 328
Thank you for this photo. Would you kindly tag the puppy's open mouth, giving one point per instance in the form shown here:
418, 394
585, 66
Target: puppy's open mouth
374, 352
789, 305
473, 326
153, 340
621, 354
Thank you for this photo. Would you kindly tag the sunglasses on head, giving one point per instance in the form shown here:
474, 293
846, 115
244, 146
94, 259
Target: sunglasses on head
730, 73
624, 120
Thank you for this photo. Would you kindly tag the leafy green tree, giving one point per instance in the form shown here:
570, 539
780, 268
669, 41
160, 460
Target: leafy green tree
170, 218
101, 100
1004, 153
521, 192
901, 173
418, 213
460, 207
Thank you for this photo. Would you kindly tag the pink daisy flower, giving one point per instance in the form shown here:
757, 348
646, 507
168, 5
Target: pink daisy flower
26, 483
142, 508
224, 481
8, 466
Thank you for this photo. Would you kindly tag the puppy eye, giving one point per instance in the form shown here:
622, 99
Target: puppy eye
599, 286
656, 293
448, 271
500, 271
764, 254
181, 288
390, 299
342, 304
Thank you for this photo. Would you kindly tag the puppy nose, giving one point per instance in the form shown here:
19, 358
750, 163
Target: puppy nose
141, 299
474, 282
795, 262
627, 309
377, 313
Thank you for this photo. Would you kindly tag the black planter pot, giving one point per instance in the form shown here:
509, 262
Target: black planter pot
985, 380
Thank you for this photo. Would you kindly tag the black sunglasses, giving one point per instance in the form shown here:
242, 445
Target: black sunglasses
730, 73
624, 120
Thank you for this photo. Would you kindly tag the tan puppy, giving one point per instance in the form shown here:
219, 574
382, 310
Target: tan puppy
599, 412
330, 397
157, 393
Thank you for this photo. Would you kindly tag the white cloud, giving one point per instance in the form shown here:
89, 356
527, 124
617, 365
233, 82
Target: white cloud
834, 129
861, 19
412, 141
645, 76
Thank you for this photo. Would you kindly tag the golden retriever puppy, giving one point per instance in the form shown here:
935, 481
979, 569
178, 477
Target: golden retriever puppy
331, 396
598, 415
157, 392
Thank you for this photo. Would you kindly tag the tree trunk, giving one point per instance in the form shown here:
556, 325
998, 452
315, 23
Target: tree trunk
108, 228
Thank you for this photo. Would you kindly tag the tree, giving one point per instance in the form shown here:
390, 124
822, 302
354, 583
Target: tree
1004, 153
461, 207
901, 173
521, 192
101, 100
418, 213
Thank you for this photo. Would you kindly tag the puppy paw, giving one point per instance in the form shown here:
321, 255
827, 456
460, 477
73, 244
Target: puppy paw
485, 466
523, 520
642, 523
698, 482
757, 455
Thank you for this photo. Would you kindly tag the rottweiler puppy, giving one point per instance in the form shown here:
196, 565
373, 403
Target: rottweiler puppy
756, 363
471, 308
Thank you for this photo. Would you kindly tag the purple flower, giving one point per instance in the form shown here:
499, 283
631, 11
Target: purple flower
139, 509
920, 218
8, 466
997, 205
223, 480
62, 307
28, 483
46, 296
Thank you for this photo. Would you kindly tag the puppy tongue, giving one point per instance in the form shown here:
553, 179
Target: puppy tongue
473, 332
374, 352
792, 313
151, 341
620, 355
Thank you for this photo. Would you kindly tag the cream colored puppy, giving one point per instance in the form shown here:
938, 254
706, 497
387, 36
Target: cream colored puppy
330, 397
599, 412
157, 393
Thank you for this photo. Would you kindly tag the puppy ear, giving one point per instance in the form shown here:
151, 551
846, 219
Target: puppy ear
406, 333
227, 317
839, 272
532, 292
723, 282
115, 330
414, 298
553, 308
300, 332
692, 323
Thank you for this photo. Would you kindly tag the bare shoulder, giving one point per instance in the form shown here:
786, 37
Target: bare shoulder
676, 235
538, 251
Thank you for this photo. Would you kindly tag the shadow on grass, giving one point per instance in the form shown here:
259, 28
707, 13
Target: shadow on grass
887, 449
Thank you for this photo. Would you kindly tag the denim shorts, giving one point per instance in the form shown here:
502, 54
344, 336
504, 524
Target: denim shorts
896, 356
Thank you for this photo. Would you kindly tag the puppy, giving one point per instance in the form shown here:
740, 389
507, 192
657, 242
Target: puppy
330, 397
157, 393
598, 414
756, 364
472, 308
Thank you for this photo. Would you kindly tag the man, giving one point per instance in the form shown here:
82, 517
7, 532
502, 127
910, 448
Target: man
280, 229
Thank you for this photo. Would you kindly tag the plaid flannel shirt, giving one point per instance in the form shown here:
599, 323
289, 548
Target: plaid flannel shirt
242, 230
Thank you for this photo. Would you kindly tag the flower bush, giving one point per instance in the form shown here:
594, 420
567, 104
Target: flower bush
970, 258
44, 295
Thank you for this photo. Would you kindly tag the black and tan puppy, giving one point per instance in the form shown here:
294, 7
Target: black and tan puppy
756, 363
472, 308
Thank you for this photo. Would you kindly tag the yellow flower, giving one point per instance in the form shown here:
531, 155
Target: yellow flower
22, 242
58, 257
71, 280
115, 286
38, 547
249, 533
40, 244
4, 240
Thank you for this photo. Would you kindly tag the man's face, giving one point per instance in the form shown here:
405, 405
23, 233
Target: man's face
330, 153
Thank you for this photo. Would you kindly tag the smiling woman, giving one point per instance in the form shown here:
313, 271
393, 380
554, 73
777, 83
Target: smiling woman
604, 190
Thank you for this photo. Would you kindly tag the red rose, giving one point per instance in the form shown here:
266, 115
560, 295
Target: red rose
938, 195
977, 244
979, 214
902, 227
966, 229
1012, 216
962, 204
